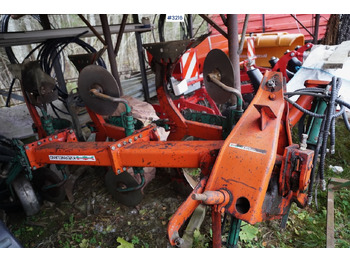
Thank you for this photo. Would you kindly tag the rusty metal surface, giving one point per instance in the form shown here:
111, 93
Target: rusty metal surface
170, 52
217, 61
91, 76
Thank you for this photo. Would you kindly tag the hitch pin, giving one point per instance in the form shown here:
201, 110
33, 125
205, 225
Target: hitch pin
213, 197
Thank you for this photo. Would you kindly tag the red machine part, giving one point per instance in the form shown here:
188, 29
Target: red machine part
281, 65
180, 127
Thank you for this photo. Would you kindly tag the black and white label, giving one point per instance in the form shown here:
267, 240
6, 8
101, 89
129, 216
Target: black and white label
71, 158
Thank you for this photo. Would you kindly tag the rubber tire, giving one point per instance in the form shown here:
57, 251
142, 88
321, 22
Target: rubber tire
26, 195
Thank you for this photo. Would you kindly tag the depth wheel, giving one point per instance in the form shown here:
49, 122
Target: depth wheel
123, 181
26, 195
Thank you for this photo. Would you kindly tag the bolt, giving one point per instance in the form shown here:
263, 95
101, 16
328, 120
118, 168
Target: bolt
50, 138
34, 167
303, 144
39, 143
118, 171
26, 147
124, 168
130, 140
179, 241
56, 137
271, 83
119, 145
292, 54
124, 143
135, 138
113, 147
140, 135
272, 97
71, 131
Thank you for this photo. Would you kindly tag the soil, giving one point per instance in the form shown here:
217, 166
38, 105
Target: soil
95, 219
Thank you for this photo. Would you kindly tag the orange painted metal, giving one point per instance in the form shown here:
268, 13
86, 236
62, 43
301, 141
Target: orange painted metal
245, 163
304, 101
295, 173
184, 212
139, 150
295, 114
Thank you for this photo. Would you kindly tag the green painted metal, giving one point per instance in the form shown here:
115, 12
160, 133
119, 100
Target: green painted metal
233, 235
315, 123
227, 123
19, 163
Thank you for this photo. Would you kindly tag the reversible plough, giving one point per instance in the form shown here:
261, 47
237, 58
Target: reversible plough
250, 168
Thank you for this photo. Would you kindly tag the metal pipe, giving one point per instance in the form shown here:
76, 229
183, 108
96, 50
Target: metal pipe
263, 23
44, 20
120, 34
92, 29
317, 23
224, 20
244, 31
296, 19
232, 29
142, 61
96, 91
110, 51
190, 25
213, 24
214, 78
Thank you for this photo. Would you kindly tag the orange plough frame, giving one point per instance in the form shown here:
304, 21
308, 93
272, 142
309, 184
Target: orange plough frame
254, 175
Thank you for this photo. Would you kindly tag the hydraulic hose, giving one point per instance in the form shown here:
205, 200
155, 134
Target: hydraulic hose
328, 119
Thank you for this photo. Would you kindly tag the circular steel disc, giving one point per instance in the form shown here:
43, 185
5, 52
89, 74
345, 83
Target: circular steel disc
97, 75
217, 60
123, 180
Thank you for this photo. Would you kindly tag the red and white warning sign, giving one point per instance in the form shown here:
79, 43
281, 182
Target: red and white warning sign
250, 48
